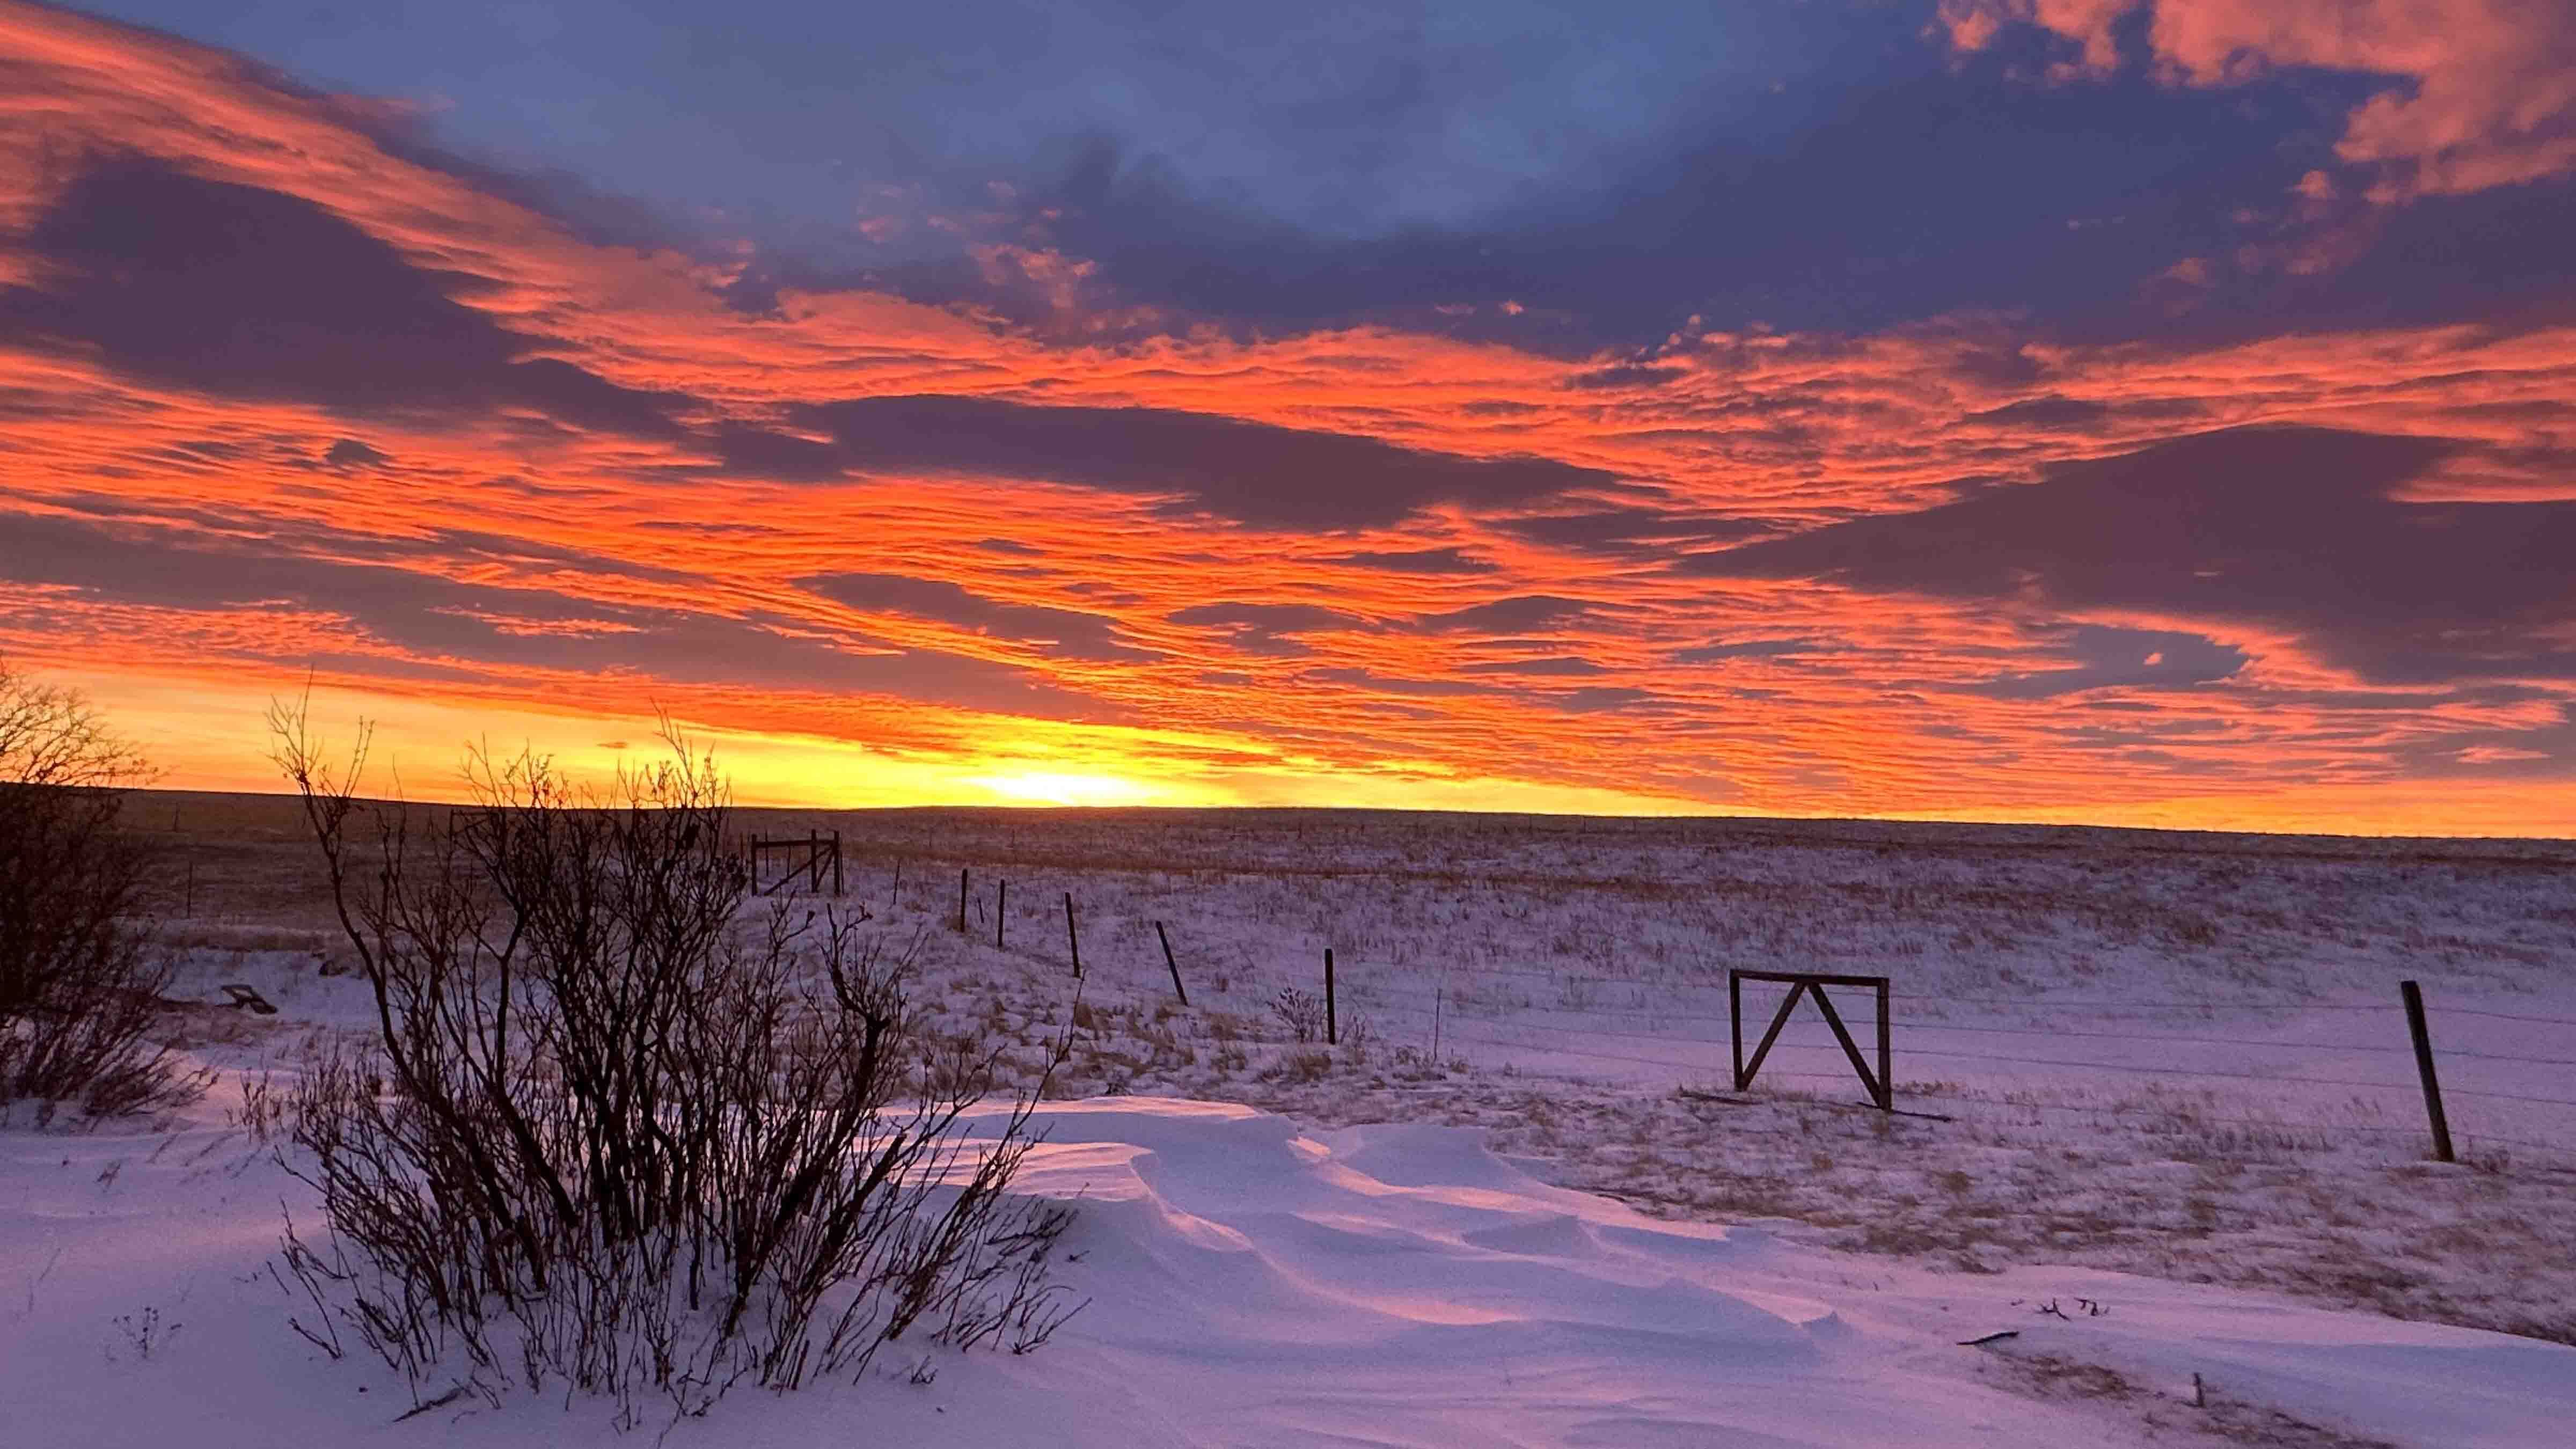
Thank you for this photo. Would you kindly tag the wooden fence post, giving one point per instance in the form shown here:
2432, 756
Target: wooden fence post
961, 900
1886, 1055
1072, 938
1177, 988
2414, 996
1439, 994
1001, 903
836, 865
1735, 1023
1332, 1022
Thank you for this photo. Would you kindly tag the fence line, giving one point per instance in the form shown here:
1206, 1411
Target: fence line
2285, 1078
2133, 1115
1421, 990
2158, 1008
1417, 993
2050, 1002
1858, 1016
2138, 1036
2210, 1005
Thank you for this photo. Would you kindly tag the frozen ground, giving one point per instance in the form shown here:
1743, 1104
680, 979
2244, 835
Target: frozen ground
1250, 1283
2164, 1055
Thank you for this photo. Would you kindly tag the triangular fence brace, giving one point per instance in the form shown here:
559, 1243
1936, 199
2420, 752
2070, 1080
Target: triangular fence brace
1880, 1084
247, 997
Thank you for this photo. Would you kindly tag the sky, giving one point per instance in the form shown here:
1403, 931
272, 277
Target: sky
2140, 412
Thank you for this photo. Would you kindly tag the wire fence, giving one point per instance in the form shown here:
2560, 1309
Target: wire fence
2340, 1065
2335, 1068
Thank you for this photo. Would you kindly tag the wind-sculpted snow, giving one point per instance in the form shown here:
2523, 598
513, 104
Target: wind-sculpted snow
1250, 1283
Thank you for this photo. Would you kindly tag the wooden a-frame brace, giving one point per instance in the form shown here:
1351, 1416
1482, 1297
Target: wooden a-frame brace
819, 851
1880, 1084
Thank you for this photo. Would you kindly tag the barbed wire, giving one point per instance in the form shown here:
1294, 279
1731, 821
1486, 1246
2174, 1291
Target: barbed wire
2503, 1015
2213, 1004
1466, 1012
1941, 998
2448, 1052
1427, 994
2143, 1116
1870, 1019
1602, 1056
1914, 1052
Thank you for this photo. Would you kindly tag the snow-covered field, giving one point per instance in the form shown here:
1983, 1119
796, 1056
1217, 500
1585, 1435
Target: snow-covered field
2163, 1073
1252, 1283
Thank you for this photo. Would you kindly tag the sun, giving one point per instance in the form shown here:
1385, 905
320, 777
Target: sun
1057, 787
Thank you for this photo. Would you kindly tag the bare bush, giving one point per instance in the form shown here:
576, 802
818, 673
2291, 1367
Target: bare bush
80, 987
614, 1136
1300, 1012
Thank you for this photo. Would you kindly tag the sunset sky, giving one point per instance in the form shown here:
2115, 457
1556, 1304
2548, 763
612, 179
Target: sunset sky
2124, 411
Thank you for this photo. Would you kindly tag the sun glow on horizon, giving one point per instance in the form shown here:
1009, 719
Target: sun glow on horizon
1058, 787
210, 735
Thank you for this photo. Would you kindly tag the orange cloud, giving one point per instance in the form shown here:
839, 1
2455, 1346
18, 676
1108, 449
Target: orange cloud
891, 551
2490, 93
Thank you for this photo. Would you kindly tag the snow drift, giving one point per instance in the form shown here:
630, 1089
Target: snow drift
1251, 1284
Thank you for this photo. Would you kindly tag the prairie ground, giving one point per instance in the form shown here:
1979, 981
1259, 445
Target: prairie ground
2163, 1053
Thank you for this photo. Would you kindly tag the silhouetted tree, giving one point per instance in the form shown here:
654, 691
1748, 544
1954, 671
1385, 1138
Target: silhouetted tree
79, 985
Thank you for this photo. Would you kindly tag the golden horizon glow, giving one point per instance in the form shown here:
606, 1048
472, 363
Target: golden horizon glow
419, 750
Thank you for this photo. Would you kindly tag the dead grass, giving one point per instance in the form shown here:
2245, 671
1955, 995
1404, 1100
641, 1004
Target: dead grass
2218, 1416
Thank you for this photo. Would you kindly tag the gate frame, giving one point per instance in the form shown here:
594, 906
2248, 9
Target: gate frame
819, 849
1880, 1085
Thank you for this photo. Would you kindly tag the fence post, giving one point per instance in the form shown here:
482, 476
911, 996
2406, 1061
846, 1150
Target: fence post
1735, 1022
1177, 988
2414, 996
1001, 903
1332, 1021
1439, 995
1886, 1056
1072, 938
961, 900
836, 865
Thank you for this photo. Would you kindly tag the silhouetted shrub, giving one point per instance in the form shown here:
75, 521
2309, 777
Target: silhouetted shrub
617, 1132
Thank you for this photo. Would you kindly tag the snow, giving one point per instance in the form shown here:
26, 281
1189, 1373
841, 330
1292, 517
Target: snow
1255, 1283
1528, 1236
